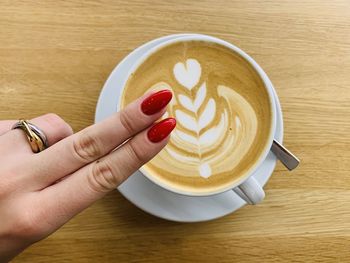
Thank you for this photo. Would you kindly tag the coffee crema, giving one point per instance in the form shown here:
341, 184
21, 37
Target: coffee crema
222, 110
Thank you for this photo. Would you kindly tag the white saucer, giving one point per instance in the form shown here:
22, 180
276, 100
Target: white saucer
150, 197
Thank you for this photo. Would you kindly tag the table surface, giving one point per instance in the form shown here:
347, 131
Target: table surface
56, 55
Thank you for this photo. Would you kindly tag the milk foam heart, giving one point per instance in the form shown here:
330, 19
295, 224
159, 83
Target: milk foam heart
188, 74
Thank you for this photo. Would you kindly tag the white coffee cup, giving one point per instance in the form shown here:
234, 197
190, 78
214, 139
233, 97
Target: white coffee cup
246, 187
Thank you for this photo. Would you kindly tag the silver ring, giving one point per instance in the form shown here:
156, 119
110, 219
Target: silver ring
35, 129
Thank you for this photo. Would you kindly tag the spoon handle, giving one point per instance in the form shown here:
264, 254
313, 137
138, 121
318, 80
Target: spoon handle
288, 159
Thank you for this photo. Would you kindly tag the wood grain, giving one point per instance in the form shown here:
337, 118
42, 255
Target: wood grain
56, 55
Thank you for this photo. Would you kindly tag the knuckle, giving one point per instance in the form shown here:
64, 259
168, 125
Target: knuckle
25, 226
58, 124
135, 153
86, 147
103, 178
126, 122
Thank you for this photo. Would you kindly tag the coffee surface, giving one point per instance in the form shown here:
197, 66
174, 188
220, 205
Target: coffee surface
222, 110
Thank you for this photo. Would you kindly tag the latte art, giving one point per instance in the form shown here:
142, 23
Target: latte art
220, 105
198, 134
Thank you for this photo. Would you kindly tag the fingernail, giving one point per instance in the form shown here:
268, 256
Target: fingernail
161, 130
155, 102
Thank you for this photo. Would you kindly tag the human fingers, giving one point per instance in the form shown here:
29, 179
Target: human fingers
97, 140
65, 199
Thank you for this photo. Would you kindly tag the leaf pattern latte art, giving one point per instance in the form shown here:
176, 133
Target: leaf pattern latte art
213, 134
195, 115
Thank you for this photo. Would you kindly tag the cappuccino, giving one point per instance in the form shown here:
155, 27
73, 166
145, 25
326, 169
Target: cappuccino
223, 114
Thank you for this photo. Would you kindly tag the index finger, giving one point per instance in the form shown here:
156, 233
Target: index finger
97, 140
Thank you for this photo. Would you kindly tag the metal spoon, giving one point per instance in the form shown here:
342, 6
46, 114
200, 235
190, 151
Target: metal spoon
288, 159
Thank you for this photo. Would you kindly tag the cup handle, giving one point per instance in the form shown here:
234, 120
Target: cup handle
250, 191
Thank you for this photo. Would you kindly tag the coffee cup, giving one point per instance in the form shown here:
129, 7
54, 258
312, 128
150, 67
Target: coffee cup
225, 110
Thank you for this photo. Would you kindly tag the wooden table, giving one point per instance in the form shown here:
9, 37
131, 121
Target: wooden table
56, 55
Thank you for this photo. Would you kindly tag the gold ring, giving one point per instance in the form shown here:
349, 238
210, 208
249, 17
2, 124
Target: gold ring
36, 138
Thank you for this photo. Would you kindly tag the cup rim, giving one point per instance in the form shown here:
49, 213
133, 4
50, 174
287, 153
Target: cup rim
268, 88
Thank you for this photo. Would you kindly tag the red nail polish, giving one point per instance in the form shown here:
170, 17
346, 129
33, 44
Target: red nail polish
155, 102
161, 130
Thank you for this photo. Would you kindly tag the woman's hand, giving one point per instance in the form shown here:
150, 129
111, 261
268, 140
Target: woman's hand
40, 192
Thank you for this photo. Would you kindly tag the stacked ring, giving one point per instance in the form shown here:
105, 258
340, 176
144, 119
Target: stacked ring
36, 138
